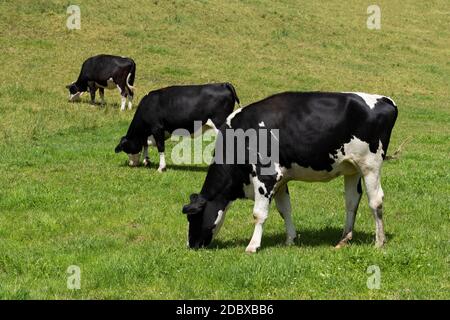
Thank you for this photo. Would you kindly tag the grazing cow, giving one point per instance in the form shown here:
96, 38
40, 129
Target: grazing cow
105, 72
163, 111
320, 136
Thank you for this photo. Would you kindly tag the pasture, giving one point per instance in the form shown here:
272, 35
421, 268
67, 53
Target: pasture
67, 199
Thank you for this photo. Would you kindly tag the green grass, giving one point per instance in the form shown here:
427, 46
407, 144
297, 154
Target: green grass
67, 199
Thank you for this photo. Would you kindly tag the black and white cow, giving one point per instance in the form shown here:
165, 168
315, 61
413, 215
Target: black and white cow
163, 111
320, 136
105, 72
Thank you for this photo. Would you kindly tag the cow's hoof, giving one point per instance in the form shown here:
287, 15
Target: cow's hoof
341, 244
290, 242
161, 170
379, 244
251, 249
146, 162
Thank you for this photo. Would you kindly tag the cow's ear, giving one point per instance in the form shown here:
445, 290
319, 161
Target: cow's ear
196, 206
119, 147
68, 86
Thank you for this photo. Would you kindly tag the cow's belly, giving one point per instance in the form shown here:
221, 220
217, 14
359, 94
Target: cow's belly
297, 172
110, 84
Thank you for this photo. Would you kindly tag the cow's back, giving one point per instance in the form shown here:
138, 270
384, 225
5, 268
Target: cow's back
314, 126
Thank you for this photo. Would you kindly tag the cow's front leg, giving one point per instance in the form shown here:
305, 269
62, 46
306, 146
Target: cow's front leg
162, 162
260, 213
283, 203
101, 91
92, 89
159, 139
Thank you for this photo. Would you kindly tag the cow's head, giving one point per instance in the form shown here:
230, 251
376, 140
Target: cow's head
205, 219
74, 92
132, 148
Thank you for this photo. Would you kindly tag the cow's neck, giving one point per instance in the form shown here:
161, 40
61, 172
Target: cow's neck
225, 182
82, 84
137, 129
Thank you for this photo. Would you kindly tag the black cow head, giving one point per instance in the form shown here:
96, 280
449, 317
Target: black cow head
205, 218
132, 147
74, 92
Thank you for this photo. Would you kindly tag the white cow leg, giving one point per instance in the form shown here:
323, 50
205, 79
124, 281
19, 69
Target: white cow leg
122, 105
352, 198
260, 213
162, 162
283, 203
375, 195
123, 97
130, 102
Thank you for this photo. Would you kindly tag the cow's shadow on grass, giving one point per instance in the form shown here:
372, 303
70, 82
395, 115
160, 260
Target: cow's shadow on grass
175, 167
329, 236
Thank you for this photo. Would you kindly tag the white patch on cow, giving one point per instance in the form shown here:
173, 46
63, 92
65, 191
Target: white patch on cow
219, 217
357, 152
133, 159
162, 162
356, 156
262, 124
231, 116
211, 125
219, 220
278, 171
199, 130
370, 99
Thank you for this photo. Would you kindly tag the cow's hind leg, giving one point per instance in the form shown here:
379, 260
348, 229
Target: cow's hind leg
130, 99
146, 161
353, 192
283, 203
375, 195
123, 95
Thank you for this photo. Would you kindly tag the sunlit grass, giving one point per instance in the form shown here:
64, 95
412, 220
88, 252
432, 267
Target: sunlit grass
67, 199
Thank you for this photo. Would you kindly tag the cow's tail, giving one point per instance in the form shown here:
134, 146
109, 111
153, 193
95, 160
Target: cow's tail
233, 91
130, 78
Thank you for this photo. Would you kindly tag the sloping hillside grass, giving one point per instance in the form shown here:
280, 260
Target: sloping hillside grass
67, 199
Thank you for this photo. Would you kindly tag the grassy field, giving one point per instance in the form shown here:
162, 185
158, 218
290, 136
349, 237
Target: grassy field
67, 199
